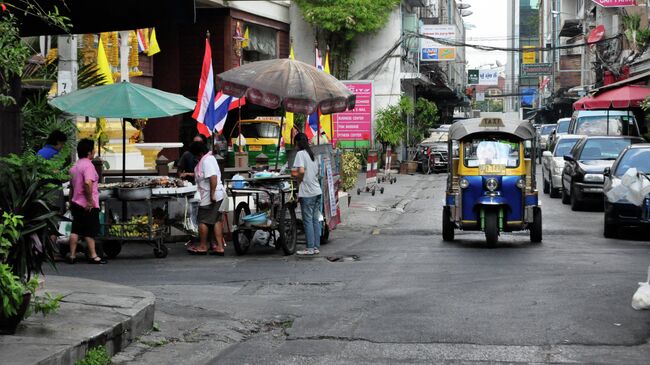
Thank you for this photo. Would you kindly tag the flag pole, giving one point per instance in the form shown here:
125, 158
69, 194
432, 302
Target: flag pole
277, 150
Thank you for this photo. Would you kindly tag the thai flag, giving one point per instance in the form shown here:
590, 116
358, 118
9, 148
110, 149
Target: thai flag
222, 105
142, 41
312, 127
205, 112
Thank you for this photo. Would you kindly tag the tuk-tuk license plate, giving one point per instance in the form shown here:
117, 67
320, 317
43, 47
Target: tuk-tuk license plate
492, 169
255, 148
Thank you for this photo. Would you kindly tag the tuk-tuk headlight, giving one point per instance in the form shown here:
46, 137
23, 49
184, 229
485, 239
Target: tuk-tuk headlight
521, 183
464, 183
491, 184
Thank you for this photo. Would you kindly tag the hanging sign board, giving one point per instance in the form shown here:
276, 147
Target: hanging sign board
472, 77
488, 77
430, 50
529, 56
537, 69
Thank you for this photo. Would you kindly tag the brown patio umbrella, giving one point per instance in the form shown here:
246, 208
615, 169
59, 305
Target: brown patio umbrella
285, 83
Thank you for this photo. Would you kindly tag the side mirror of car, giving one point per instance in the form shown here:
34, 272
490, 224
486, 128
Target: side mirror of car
607, 172
547, 154
568, 158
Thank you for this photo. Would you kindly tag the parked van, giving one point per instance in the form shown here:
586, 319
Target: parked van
604, 123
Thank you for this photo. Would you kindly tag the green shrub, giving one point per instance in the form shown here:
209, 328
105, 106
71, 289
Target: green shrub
350, 167
96, 356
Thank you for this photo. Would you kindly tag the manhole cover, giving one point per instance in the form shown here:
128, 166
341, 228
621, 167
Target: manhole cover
342, 258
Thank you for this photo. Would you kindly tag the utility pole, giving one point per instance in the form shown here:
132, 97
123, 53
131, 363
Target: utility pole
554, 13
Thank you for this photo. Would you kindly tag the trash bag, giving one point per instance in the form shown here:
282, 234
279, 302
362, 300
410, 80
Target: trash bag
641, 299
261, 238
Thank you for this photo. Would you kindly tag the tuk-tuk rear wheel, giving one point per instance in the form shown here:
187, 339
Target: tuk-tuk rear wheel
536, 227
447, 225
492, 226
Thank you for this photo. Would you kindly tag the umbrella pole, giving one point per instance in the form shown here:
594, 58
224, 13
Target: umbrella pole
239, 139
123, 150
331, 130
277, 148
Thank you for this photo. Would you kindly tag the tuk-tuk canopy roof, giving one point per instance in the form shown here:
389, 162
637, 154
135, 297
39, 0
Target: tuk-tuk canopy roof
519, 128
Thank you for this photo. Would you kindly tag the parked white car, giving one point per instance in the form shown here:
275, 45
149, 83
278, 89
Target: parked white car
553, 163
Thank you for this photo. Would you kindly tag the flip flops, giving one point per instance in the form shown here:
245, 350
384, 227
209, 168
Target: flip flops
193, 251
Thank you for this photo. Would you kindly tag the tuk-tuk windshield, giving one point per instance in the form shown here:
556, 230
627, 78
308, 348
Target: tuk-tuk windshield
480, 152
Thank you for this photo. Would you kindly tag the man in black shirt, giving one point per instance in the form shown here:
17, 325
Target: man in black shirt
188, 161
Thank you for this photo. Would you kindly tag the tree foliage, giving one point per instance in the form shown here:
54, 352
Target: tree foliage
426, 116
340, 21
391, 122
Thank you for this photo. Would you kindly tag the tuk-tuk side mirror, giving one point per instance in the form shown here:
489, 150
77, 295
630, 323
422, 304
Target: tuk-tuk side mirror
568, 158
547, 154
608, 171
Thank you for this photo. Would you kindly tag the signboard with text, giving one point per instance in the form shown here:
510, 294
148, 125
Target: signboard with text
536, 69
529, 56
472, 77
615, 3
430, 50
488, 77
356, 124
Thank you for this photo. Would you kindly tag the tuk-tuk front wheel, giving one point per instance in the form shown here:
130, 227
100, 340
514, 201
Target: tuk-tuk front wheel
536, 226
492, 226
447, 225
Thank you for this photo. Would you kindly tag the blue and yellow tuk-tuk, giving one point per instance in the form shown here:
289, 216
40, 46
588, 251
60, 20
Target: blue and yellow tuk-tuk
491, 184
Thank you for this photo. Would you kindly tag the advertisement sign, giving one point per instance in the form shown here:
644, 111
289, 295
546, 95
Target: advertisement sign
472, 77
615, 3
356, 124
431, 50
529, 57
537, 69
488, 77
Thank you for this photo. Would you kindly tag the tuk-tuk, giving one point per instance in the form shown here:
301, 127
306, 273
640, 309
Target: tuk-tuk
491, 183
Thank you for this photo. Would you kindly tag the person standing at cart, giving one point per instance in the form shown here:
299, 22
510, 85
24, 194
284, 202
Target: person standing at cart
84, 202
188, 161
309, 193
208, 180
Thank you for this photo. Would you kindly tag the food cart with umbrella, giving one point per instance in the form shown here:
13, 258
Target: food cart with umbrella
145, 201
292, 86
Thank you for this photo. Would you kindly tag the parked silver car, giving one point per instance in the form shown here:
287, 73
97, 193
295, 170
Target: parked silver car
553, 163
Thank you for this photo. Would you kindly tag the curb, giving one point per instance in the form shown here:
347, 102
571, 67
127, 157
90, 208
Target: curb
93, 313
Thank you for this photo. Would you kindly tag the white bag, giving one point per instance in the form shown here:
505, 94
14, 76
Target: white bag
641, 299
65, 226
261, 238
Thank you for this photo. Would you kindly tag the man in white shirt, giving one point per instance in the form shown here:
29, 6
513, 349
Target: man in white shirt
207, 176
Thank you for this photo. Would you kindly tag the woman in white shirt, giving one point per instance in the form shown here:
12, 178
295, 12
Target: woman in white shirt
309, 193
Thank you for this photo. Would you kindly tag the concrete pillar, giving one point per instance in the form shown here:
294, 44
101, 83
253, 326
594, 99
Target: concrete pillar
124, 55
162, 166
68, 66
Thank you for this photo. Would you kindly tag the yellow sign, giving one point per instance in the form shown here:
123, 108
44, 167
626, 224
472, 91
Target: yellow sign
255, 148
492, 169
491, 122
529, 57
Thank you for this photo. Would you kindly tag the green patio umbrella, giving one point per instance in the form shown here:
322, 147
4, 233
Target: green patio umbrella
123, 100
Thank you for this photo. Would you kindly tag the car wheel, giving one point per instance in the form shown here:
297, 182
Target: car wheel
565, 197
609, 230
575, 204
546, 186
554, 192
492, 227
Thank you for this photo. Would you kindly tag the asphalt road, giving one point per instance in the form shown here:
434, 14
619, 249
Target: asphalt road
408, 297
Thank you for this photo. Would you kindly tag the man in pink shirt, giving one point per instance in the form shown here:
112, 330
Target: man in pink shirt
84, 202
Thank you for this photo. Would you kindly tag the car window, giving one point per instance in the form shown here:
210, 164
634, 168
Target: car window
491, 152
563, 127
546, 129
564, 147
258, 130
598, 125
603, 149
638, 158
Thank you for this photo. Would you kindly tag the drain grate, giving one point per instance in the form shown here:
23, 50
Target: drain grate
349, 258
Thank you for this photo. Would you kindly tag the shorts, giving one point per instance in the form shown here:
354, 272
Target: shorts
84, 223
210, 214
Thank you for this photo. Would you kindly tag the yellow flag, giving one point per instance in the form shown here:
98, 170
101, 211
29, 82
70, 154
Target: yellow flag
244, 43
153, 44
326, 119
103, 67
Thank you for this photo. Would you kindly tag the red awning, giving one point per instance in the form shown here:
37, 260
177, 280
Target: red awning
630, 96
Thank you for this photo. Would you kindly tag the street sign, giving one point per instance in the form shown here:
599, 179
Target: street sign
472, 77
615, 3
488, 77
597, 34
529, 56
537, 69
480, 96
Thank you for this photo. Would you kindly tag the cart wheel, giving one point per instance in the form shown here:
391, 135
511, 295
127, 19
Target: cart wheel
381, 190
390, 181
241, 239
373, 192
358, 191
288, 232
111, 248
160, 252
325, 233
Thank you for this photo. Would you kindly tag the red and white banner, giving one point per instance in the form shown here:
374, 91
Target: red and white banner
615, 3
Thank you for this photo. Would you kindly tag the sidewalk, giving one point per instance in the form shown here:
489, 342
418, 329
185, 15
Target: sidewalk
92, 313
